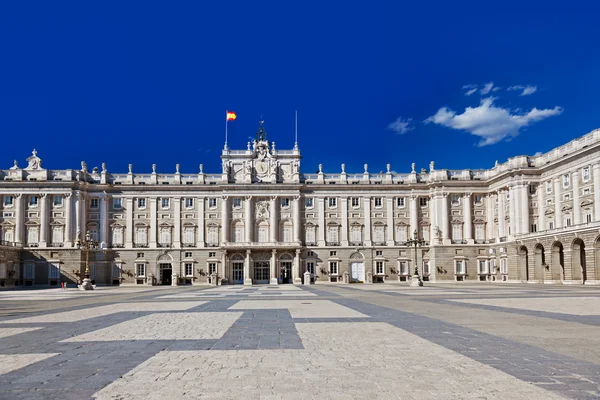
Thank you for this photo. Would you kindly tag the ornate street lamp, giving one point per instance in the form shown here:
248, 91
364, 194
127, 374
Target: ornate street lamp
416, 279
87, 244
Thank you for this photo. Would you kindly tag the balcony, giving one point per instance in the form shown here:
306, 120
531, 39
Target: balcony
332, 243
140, 245
379, 244
355, 243
458, 241
189, 244
310, 244
57, 245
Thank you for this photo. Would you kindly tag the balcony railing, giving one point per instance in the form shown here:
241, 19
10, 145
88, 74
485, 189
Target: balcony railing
9, 244
141, 245
332, 243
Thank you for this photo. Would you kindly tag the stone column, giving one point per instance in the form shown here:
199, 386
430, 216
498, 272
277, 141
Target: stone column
321, 211
489, 214
224, 219
297, 221
248, 220
296, 269
433, 224
468, 219
390, 221
68, 221
512, 214
19, 198
576, 204
200, 233
129, 222
43, 220
501, 213
153, 222
273, 271
344, 237
525, 208
77, 210
103, 219
223, 268
540, 208
445, 221
177, 222
367, 211
83, 214
414, 216
596, 177
557, 210
273, 225
247, 261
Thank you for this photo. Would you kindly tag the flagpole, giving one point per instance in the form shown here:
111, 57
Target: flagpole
296, 130
226, 120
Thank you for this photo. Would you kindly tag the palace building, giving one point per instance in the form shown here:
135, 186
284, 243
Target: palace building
263, 221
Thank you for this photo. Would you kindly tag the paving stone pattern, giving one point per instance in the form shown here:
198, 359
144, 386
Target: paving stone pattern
293, 342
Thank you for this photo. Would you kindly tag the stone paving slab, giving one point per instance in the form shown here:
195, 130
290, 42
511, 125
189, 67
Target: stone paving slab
12, 362
300, 308
341, 360
570, 305
87, 313
5, 332
165, 326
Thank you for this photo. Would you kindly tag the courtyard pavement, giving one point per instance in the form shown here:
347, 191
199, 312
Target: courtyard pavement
381, 341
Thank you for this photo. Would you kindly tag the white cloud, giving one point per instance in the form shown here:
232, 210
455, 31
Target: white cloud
470, 91
492, 124
526, 90
487, 88
401, 125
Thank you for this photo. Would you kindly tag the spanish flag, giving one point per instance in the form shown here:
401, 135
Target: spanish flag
230, 115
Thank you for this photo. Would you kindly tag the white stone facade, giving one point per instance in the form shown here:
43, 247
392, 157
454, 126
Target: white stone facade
532, 218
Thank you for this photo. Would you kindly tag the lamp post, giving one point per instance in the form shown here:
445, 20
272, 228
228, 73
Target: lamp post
87, 244
416, 279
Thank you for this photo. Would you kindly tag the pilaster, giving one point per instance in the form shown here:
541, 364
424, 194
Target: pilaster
501, 213
200, 232
541, 222
103, 220
576, 204
19, 224
468, 219
297, 221
273, 224
68, 220
414, 215
367, 210
153, 222
225, 219
129, 223
525, 225
557, 210
445, 219
344, 236
43, 220
248, 220
321, 210
390, 220
177, 222
596, 177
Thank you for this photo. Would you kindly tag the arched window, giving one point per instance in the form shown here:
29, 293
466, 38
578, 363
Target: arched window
238, 232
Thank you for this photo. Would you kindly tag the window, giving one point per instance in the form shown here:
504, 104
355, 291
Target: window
237, 203
333, 268
400, 202
332, 202
379, 234
141, 236
29, 271
58, 201
404, 267
188, 235
263, 233
423, 201
426, 271
586, 174
9, 235
356, 234
116, 271
532, 189
212, 203
478, 199
238, 233
53, 270
566, 180
140, 255
479, 232
94, 203
457, 231
482, 267
310, 267
459, 267
401, 233
141, 203
379, 270
567, 197
212, 268
189, 202
33, 201
332, 234
309, 202
165, 203
117, 236
493, 266
548, 187
588, 217
165, 236
8, 201
548, 202
551, 225
425, 233
332, 253
32, 235
285, 203
118, 203
455, 199
57, 235
586, 191
310, 235
189, 269
212, 254
378, 202
94, 234
140, 269
287, 233
568, 221
355, 202
187, 254
213, 235
533, 227
503, 266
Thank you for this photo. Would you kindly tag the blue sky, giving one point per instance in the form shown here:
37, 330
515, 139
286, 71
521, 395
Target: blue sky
373, 82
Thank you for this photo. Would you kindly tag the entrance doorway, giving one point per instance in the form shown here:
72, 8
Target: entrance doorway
262, 272
357, 272
166, 274
286, 271
237, 272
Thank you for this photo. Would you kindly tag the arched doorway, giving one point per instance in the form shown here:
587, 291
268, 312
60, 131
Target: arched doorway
237, 269
357, 267
285, 268
557, 264
165, 269
578, 261
540, 263
523, 264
